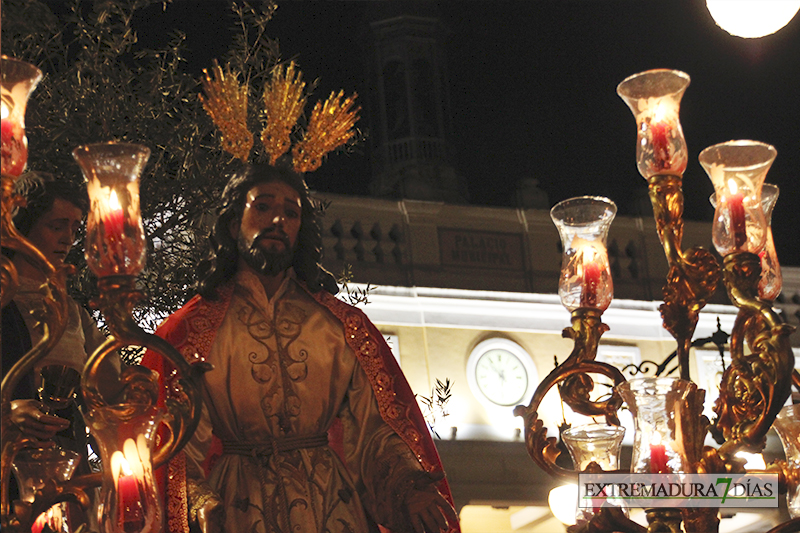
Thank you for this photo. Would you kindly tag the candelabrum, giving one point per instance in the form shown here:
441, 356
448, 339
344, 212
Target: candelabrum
670, 429
18, 80
124, 427
586, 290
661, 155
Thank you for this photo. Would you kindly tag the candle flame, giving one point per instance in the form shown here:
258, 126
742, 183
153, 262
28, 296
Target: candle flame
129, 461
134, 459
120, 465
586, 251
113, 201
4, 111
655, 439
589, 254
732, 186
660, 111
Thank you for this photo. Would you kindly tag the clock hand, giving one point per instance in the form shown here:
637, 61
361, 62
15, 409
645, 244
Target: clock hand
499, 372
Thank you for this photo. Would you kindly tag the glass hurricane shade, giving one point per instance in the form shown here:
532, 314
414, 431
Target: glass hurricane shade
19, 79
129, 497
34, 468
787, 425
654, 97
596, 443
737, 170
771, 278
583, 225
771, 282
655, 404
115, 242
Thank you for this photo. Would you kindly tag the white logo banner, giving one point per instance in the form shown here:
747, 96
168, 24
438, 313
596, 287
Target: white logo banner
678, 490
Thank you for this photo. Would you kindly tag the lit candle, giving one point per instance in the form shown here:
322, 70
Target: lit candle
114, 221
131, 516
14, 145
39, 524
591, 277
127, 476
658, 459
660, 128
658, 136
736, 208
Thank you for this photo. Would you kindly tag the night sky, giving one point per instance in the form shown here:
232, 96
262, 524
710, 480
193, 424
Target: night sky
532, 87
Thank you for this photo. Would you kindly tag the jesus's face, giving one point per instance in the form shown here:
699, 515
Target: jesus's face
267, 233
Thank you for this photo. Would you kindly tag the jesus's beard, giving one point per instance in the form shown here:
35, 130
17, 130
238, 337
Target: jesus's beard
263, 261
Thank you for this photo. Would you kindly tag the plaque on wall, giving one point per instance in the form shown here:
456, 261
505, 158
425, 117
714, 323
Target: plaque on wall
481, 249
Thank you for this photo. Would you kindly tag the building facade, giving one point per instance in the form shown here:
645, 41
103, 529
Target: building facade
449, 283
467, 295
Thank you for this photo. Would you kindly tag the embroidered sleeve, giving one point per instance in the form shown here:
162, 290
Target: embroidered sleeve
385, 467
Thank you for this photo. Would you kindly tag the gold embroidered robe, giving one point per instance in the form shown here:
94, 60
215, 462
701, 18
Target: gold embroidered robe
282, 368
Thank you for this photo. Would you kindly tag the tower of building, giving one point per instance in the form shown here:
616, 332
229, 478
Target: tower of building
409, 138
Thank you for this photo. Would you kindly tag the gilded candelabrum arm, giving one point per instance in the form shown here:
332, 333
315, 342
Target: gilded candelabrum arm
586, 330
118, 295
8, 274
693, 274
756, 385
666, 196
53, 321
691, 427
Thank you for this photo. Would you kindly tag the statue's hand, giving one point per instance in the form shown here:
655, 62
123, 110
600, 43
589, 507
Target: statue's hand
210, 516
429, 511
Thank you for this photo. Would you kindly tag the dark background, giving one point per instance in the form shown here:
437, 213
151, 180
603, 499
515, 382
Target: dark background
532, 86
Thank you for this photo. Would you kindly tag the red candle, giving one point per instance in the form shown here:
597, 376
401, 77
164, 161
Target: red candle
113, 222
660, 141
591, 283
14, 152
131, 514
39, 524
736, 208
658, 459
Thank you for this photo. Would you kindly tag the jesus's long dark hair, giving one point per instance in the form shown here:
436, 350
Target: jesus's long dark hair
222, 262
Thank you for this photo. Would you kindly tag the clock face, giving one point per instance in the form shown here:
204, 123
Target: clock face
501, 377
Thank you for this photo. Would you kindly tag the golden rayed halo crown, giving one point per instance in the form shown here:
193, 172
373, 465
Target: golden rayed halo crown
330, 126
